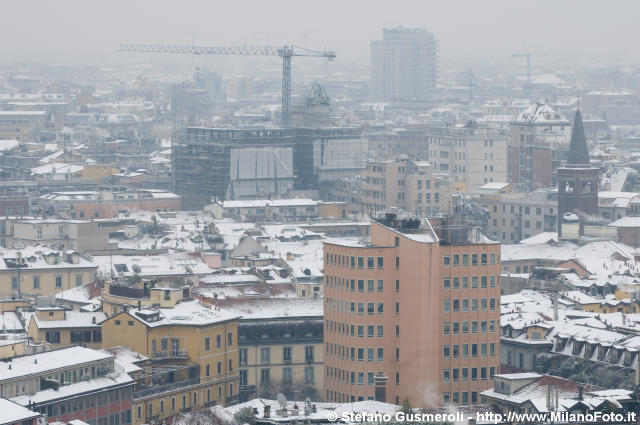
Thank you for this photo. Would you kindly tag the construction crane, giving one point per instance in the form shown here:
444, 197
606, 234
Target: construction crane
285, 52
528, 55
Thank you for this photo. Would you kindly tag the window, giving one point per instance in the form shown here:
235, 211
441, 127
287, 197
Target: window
242, 356
446, 328
445, 375
36, 282
265, 355
446, 261
397, 262
360, 285
207, 344
370, 262
287, 375
286, 354
474, 259
446, 306
308, 375
465, 259
380, 308
230, 338
445, 351
218, 341
456, 260
370, 285
380, 262
380, 285
58, 281
446, 284
265, 376
397, 286
360, 262
397, 308
380, 331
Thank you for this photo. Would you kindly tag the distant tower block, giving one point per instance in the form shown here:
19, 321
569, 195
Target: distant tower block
577, 180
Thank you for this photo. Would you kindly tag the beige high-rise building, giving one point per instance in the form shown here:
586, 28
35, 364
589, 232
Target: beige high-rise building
412, 186
404, 65
413, 313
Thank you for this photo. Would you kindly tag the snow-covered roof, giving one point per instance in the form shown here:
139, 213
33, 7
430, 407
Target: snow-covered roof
13, 412
72, 319
51, 360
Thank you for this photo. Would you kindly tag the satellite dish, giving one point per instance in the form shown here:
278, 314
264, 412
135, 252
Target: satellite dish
282, 400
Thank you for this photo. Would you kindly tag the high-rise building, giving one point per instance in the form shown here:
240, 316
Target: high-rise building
404, 65
538, 143
412, 313
475, 154
577, 180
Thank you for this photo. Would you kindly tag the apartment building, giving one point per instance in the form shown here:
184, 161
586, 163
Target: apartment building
538, 142
72, 383
475, 154
404, 65
280, 347
41, 271
198, 343
63, 328
513, 216
79, 235
412, 186
412, 313
91, 204
23, 125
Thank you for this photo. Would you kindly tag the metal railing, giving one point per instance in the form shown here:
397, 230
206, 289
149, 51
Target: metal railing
169, 354
157, 389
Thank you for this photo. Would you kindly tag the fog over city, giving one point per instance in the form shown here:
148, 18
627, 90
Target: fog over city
293, 212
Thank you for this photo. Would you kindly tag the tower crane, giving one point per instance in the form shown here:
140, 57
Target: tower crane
526, 54
285, 52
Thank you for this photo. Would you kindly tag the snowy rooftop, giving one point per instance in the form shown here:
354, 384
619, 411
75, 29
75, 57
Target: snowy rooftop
73, 319
13, 413
51, 360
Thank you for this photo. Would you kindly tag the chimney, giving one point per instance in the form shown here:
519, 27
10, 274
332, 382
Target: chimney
93, 320
580, 390
139, 305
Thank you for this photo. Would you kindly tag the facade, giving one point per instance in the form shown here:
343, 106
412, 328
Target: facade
413, 312
513, 216
199, 343
577, 180
412, 186
91, 204
538, 142
282, 354
79, 235
41, 271
23, 125
473, 153
404, 65
266, 209
70, 383
219, 163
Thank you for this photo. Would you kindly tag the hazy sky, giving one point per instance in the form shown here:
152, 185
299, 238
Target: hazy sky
63, 31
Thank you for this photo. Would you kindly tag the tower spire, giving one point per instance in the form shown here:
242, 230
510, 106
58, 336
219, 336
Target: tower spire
578, 152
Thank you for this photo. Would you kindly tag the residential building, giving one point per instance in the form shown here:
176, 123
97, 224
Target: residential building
513, 216
201, 342
280, 347
412, 186
475, 154
296, 209
91, 204
67, 384
23, 125
63, 328
404, 65
538, 143
78, 235
415, 309
42, 271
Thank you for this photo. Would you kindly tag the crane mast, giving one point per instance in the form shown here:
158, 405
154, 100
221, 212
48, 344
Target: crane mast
285, 52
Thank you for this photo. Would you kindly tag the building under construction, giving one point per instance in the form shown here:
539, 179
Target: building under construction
229, 163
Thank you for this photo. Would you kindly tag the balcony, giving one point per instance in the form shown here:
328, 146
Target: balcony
169, 354
231, 399
157, 389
